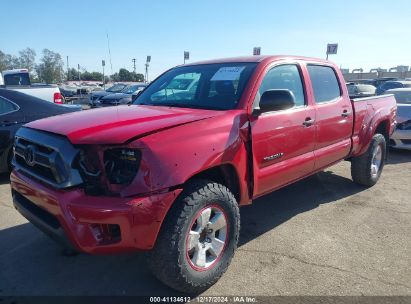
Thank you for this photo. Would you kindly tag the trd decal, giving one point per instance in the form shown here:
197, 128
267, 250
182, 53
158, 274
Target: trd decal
274, 156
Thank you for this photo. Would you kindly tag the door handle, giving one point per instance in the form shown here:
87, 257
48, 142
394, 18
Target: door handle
345, 113
308, 122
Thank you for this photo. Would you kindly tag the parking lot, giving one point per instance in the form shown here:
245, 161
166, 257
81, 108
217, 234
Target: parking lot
321, 236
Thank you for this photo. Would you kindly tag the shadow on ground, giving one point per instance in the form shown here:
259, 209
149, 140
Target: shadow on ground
274, 209
31, 264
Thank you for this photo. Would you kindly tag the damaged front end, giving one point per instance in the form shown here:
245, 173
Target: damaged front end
53, 160
106, 169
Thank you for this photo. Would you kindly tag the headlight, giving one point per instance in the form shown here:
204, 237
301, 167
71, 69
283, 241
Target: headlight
121, 165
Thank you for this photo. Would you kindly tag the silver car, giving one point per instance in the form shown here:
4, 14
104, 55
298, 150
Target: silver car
401, 138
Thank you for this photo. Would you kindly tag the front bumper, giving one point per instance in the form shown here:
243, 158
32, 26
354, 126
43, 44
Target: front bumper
401, 139
75, 219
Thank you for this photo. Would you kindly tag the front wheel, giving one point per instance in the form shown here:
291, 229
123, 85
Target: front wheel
198, 238
366, 168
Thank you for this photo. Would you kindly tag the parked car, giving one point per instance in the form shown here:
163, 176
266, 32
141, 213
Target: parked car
122, 98
401, 139
95, 96
360, 90
393, 84
19, 80
169, 175
17, 109
374, 82
68, 93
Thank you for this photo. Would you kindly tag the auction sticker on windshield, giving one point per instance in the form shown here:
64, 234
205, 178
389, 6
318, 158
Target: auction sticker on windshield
228, 73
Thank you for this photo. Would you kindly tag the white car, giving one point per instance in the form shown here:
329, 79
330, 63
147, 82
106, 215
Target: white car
401, 139
19, 80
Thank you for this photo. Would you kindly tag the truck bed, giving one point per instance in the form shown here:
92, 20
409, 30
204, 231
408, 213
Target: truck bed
42, 91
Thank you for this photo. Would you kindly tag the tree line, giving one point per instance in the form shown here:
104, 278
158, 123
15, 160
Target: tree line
50, 68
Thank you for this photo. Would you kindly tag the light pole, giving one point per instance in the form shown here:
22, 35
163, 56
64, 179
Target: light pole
134, 63
68, 70
103, 63
147, 64
78, 69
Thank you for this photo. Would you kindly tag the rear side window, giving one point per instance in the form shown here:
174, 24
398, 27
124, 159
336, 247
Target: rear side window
7, 106
324, 82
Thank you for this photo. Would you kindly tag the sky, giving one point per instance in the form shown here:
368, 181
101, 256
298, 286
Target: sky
370, 34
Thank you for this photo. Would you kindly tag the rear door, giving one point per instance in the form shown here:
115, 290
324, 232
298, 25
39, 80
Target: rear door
283, 141
334, 117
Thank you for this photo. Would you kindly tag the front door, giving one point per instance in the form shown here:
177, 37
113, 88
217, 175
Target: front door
283, 141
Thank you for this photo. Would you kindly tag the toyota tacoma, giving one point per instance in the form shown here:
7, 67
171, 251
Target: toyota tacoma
168, 173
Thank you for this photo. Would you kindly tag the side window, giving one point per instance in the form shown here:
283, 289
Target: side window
6, 106
283, 77
324, 82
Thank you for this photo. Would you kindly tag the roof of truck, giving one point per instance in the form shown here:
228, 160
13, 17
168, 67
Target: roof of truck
256, 59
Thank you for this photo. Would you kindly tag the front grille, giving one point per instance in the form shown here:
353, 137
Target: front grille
406, 141
39, 162
47, 157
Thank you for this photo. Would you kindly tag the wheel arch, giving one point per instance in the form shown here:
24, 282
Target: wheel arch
224, 174
381, 126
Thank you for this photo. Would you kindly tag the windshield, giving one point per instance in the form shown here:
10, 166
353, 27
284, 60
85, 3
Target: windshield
133, 88
403, 97
116, 88
209, 86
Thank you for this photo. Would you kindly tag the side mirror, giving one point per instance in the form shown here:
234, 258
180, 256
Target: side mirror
275, 100
135, 95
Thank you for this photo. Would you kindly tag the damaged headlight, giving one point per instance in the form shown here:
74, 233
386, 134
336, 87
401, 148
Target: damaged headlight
121, 165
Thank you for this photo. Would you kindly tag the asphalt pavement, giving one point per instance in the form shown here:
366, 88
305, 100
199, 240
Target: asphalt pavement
321, 236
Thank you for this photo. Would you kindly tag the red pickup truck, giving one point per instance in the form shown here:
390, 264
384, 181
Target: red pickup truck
168, 173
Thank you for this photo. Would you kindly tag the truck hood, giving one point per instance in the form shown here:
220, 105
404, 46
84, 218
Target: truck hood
120, 124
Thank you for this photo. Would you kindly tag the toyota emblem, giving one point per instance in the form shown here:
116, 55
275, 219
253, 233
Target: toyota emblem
29, 155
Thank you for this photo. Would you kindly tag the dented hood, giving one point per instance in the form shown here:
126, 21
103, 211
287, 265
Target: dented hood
116, 125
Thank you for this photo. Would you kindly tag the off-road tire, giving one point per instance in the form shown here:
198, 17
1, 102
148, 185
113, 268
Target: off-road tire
361, 165
168, 260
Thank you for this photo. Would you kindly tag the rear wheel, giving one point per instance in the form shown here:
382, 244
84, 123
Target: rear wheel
366, 169
198, 238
